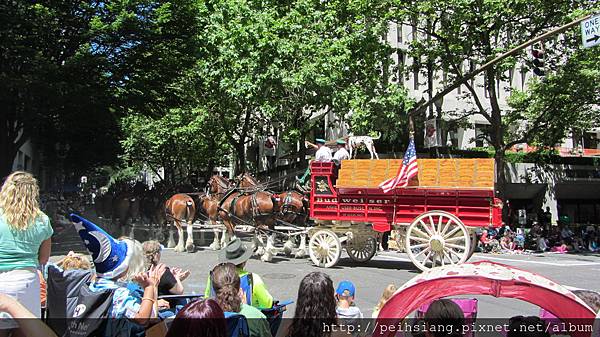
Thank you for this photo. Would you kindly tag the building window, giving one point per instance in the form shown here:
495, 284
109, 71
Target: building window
511, 75
399, 32
400, 66
523, 77
485, 86
472, 69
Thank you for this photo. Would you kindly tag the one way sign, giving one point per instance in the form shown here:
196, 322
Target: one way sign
590, 31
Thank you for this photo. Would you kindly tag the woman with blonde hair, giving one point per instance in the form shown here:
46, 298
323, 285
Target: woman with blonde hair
387, 293
25, 233
171, 281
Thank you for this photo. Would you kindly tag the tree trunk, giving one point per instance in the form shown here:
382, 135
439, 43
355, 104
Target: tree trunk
209, 169
303, 163
240, 158
497, 138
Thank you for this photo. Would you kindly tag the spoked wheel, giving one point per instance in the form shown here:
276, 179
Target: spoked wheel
324, 248
362, 250
437, 238
473, 244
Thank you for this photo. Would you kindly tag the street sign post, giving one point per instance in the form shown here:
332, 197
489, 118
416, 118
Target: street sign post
590, 31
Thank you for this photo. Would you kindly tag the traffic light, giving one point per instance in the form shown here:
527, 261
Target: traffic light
538, 61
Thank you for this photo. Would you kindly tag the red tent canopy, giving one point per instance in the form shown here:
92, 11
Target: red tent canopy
484, 278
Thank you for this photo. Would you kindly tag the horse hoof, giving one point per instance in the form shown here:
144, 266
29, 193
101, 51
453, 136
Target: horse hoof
215, 246
260, 251
301, 253
179, 249
190, 248
288, 246
266, 258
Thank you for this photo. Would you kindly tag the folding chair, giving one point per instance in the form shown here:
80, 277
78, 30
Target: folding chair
237, 325
62, 293
176, 302
275, 315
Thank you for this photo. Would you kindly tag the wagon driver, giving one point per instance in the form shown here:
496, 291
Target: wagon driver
323, 152
341, 153
323, 155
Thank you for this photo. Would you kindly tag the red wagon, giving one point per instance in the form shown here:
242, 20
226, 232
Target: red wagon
437, 223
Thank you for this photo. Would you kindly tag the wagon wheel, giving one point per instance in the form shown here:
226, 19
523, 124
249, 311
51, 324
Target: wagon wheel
363, 250
437, 238
324, 248
473, 244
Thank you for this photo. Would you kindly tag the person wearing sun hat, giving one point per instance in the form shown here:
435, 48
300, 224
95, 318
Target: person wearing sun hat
341, 153
237, 253
111, 259
323, 152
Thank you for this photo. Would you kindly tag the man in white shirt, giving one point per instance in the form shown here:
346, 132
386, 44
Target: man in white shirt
323, 153
341, 153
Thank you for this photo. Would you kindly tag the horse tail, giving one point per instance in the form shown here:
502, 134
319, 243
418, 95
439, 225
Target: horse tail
189, 204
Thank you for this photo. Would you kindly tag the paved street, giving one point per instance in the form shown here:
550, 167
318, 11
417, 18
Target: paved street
283, 275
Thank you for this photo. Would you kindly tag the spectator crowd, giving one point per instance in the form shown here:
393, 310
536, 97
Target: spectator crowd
540, 238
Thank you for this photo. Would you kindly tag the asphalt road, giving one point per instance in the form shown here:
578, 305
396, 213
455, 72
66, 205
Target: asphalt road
283, 275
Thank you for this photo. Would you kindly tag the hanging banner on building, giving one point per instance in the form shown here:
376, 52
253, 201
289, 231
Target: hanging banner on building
433, 136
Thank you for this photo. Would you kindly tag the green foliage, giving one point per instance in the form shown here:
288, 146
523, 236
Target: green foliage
52, 86
179, 142
566, 99
542, 156
287, 63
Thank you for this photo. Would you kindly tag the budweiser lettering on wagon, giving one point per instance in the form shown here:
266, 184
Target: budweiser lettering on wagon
406, 171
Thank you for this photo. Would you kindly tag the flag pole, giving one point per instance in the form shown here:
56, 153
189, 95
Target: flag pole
411, 126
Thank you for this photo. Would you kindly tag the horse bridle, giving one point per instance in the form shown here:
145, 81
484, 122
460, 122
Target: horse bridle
219, 182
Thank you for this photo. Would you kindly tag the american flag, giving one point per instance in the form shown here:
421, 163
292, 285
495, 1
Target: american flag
406, 171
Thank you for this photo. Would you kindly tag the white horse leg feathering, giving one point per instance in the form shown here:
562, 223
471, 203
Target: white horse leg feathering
171, 243
301, 252
189, 243
180, 247
215, 245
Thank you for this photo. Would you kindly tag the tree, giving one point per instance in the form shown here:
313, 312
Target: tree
50, 83
332, 58
566, 99
178, 142
461, 34
289, 63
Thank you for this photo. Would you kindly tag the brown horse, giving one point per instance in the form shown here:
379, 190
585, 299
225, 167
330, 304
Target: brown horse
239, 207
292, 208
182, 210
292, 205
247, 181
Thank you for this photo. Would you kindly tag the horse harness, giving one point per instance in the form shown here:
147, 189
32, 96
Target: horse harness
232, 205
288, 208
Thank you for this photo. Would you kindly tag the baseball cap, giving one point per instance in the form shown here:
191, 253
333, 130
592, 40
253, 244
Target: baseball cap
346, 285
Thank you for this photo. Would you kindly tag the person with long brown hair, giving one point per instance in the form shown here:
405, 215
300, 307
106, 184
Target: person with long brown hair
315, 310
231, 298
25, 233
